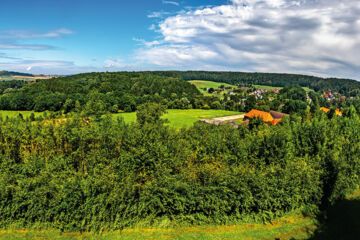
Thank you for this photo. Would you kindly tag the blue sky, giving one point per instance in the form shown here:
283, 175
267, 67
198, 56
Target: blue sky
318, 37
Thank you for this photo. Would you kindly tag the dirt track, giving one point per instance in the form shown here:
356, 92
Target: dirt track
229, 118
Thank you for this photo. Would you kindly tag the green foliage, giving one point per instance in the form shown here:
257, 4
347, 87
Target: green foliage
82, 174
124, 90
150, 113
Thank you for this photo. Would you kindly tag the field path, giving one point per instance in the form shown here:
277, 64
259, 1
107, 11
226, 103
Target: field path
229, 118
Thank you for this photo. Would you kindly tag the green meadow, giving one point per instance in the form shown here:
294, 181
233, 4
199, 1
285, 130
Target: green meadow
290, 227
13, 114
182, 118
177, 118
209, 84
266, 87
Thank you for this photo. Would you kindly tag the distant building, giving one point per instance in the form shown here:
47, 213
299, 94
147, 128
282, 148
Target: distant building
265, 116
271, 117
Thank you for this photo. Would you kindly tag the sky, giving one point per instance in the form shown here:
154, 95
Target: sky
315, 37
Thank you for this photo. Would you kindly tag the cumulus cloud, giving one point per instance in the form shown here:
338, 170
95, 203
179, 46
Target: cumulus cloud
320, 37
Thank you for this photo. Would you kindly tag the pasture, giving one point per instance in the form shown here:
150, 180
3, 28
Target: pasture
265, 87
209, 84
289, 227
14, 114
177, 118
182, 118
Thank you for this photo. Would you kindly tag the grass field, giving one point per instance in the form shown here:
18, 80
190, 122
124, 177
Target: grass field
177, 118
23, 78
265, 87
13, 114
292, 227
182, 118
209, 84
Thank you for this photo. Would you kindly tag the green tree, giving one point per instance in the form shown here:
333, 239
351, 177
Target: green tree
150, 113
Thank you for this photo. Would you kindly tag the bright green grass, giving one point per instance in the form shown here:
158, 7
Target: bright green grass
265, 87
182, 118
293, 227
209, 84
271, 87
14, 114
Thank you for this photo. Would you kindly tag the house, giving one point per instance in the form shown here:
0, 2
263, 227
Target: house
271, 117
276, 121
278, 115
266, 117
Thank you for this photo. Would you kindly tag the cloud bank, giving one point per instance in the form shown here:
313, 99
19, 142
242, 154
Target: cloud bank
320, 37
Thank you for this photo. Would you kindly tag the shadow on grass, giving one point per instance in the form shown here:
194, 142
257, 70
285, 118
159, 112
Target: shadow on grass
342, 222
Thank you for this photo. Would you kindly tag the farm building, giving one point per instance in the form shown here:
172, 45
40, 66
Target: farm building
266, 117
271, 117
278, 115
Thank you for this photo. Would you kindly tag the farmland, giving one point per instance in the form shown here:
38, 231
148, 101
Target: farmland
203, 85
177, 118
182, 118
299, 228
13, 114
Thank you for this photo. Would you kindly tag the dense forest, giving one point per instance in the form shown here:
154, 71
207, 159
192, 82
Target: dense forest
97, 173
114, 91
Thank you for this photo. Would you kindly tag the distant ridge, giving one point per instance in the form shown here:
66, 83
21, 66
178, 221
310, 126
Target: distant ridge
9, 73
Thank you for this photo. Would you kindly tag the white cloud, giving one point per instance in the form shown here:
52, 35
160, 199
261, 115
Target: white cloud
319, 37
9, 39
28, 68
171, 3
159, 14
23, 34
118, 63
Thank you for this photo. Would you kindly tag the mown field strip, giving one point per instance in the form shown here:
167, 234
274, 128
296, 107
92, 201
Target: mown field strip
292, 227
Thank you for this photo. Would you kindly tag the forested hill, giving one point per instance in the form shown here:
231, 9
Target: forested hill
110, 91
9, 73
346, 87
